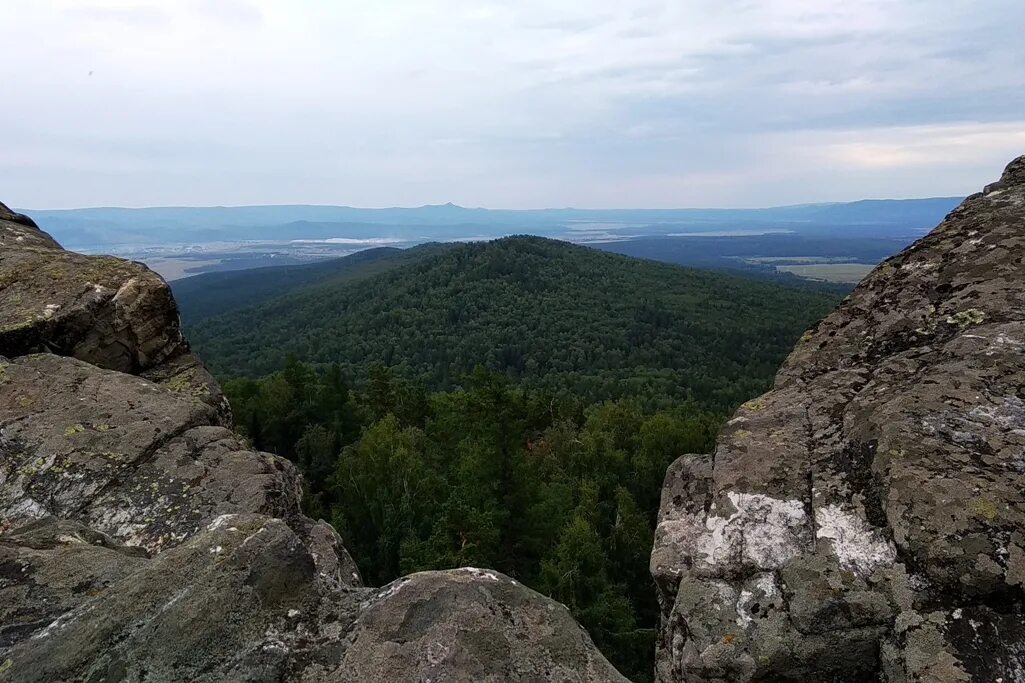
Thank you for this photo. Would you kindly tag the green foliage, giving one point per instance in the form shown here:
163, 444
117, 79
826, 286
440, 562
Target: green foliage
569, 320
209, 294
494, 474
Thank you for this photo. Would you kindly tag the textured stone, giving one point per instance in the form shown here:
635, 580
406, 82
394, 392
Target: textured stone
468, 625
235, 602
130, 458
106, 311
852, 519
50, 567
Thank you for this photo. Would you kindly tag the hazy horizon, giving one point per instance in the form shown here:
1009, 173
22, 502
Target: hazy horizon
485, 208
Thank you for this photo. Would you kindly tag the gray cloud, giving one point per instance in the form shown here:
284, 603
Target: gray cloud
598, 103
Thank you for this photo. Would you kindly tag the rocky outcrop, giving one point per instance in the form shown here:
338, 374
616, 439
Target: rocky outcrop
141, 540
865, 519
106, 311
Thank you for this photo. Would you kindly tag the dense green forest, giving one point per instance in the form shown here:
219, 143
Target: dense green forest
202, 296
560, 495
511, 404
570, 320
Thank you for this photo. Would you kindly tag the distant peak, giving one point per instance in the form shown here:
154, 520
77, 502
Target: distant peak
446, 205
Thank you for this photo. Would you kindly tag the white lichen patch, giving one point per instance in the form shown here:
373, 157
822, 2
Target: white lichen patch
386, 592
436, 653
755, 599
275, 645
1008, 414
1007, 340
25, 508
486, 574
220, 521
763, 531
858, 546
915, 266
50, 310
126, 524
63, 620
760, 530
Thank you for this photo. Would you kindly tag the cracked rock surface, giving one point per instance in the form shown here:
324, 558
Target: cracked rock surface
865, 519
141, 540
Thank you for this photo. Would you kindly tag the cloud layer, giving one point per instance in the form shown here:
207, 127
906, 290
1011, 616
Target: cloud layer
507, 104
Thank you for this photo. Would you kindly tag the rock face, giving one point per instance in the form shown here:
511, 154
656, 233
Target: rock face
865, 519
141, 540
108, 312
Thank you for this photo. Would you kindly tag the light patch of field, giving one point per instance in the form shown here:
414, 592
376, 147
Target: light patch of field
175, 269
830, 272
798, 260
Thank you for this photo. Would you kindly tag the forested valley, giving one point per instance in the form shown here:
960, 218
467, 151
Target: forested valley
511, 405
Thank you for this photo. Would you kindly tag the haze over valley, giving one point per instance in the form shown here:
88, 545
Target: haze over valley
836, 241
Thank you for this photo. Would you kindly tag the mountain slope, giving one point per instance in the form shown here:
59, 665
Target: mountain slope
558, 316
202, 296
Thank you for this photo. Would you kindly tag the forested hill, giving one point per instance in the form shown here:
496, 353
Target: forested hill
202, 296
558, 317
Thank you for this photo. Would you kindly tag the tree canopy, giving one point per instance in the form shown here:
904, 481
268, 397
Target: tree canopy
560, 495
566, 319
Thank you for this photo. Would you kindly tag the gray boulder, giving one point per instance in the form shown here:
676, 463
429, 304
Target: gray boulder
464, 626
865, 520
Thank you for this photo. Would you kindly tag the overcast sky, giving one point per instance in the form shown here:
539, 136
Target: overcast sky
520, 103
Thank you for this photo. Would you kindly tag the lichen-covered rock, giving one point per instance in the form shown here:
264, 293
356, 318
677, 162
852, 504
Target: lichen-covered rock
106, 311
865, 520
464, 626
141, 540
18, 231
236, 602
185, 374
50, 567
335, 567
242, 600
131, 459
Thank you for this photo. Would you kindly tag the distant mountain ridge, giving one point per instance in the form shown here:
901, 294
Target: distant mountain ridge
174, 225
